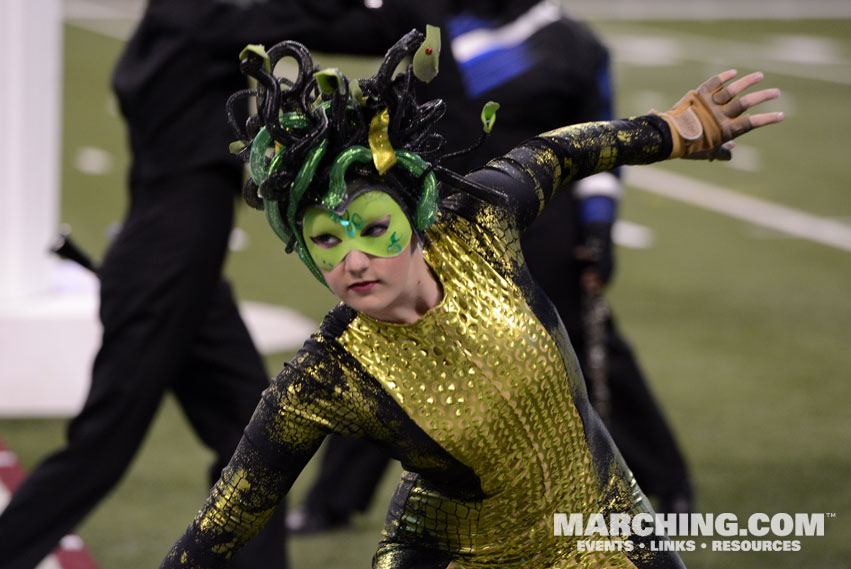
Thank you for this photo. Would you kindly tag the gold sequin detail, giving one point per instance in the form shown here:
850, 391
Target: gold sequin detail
226, 522
484, 379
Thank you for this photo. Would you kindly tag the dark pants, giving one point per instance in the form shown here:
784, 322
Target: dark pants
169, 323
638, 426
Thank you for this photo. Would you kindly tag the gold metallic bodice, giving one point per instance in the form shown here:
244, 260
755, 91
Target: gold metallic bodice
481, 375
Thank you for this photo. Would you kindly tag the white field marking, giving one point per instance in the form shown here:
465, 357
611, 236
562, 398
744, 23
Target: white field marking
745, 159
705, 10
275, 328
103, 9
110, 18
666, 50
808, 50
239, 240
93, 161
760, 212
286, 67
647, 50
632, 235
626, 43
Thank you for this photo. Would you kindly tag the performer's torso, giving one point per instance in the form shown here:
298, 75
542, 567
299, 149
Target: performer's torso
483, 377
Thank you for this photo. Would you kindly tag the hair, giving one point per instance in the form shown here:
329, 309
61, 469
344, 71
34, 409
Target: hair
310, 137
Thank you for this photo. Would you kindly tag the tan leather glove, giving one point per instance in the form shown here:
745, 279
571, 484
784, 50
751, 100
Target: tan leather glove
704, 119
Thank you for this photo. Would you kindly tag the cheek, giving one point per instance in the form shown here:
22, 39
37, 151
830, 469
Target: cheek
396, 268
334, 278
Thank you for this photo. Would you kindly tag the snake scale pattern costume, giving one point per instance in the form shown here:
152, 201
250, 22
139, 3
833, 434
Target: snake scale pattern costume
481, 399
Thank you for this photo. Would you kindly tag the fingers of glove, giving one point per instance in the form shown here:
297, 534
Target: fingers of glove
722, 96
733, 109
741, 125
737, 127
716, 82
714, 90
750, 100
745, 82
764, 119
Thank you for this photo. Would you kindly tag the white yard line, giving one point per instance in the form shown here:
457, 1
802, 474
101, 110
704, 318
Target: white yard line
103, 9
709, 9
641, 44
760, 212
632, 235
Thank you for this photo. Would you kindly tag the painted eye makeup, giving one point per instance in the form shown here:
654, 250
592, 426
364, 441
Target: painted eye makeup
325, 240
377, 228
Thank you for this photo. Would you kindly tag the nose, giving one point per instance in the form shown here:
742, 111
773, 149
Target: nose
356, 261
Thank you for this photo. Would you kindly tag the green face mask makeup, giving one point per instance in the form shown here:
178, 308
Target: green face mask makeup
372, 223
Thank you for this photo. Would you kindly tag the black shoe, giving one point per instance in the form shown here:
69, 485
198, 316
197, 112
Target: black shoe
309, 521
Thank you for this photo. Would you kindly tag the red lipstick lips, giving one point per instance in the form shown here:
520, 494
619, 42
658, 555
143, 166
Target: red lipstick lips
362, 286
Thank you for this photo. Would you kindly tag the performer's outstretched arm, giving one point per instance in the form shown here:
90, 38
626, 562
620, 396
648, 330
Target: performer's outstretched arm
701, 125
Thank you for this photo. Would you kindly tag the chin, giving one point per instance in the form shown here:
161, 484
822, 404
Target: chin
364, 303
374, 306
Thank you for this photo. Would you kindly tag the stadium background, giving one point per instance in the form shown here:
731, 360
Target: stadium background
742, 327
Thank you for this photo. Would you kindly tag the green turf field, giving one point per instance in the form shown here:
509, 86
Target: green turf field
743, 330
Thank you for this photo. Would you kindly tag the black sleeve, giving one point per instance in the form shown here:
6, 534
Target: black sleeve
530, 174
292, 419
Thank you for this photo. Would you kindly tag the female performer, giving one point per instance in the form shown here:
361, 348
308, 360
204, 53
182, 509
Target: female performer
443, 350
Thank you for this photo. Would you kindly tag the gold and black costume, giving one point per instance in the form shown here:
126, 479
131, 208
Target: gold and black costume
481, 399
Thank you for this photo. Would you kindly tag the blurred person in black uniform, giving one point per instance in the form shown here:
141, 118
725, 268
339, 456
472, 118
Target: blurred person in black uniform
170, 322
545, 70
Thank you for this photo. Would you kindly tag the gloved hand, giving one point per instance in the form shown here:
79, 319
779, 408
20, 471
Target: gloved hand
705, 121
596, 256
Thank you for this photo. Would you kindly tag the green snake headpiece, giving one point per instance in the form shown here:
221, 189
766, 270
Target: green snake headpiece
313, 135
